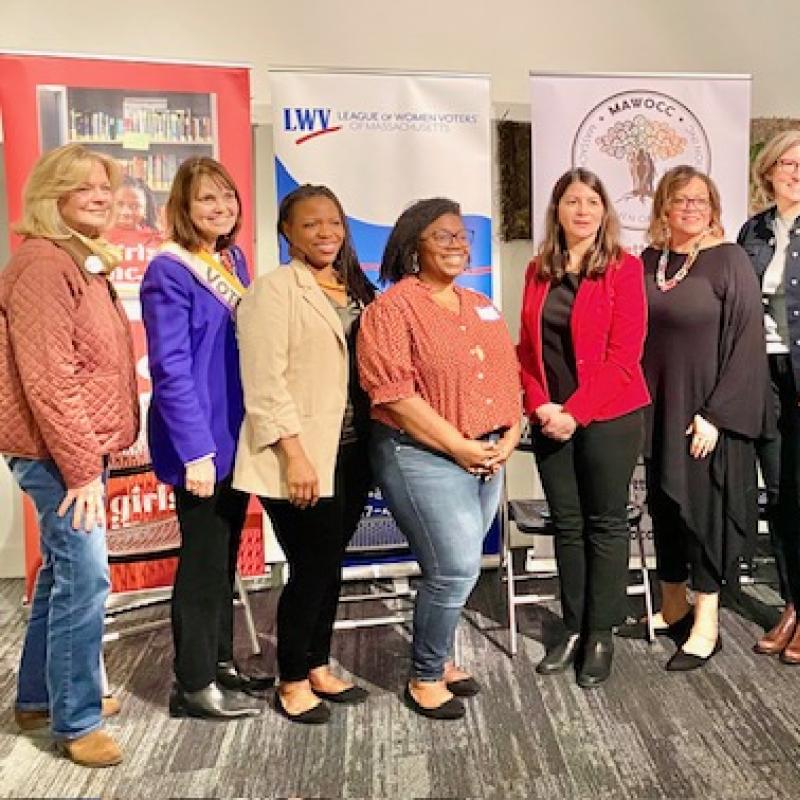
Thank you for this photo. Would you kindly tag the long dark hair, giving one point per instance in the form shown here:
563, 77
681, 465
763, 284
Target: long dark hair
553, 257
346, 265
401, 256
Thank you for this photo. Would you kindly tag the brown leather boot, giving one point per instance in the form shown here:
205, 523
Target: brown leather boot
791, 653
96, 749
34, 720
775, 641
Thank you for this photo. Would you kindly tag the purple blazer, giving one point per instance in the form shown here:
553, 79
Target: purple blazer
197, 406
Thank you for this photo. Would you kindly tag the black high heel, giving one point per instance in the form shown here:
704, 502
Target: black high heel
682, 661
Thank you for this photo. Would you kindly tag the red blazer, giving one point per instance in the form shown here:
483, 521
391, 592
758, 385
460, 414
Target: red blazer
609, 324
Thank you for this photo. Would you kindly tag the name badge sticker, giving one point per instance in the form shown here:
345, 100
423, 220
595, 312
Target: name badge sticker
488, 313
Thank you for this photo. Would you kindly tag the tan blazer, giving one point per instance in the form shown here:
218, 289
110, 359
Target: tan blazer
294, 372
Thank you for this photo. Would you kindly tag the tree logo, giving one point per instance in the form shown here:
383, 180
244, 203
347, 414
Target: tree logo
630, 140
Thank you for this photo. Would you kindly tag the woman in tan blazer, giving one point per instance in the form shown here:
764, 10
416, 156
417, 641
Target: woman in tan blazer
302, 447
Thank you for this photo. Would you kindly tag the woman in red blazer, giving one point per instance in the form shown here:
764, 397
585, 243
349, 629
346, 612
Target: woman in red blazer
584, 320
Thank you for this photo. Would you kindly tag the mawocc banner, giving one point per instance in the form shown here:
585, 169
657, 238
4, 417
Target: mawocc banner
631, 129
382, 141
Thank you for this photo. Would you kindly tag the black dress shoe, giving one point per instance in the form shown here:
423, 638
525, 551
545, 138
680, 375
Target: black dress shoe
316, 715
464, 687
351, 696
211, 702
678, 631
560, 656
450, 709
682, 661
229, 676
596, 665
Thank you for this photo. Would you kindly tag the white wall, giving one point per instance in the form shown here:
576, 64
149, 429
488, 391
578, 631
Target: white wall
506, 39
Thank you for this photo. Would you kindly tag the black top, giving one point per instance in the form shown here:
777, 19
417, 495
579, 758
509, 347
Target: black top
355, 423
557, 351
704, 354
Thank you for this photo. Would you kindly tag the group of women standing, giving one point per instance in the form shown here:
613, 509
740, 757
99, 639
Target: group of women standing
262, 391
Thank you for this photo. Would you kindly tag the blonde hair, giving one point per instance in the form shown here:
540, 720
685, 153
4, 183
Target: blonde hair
672, 181
553, 255
768, 158
56, 174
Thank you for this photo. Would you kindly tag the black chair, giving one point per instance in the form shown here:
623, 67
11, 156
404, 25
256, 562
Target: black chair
532, 517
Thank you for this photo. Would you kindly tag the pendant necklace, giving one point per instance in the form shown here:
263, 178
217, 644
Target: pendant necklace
661, 278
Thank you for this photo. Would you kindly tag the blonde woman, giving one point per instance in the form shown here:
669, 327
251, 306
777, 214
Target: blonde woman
67, 368
706, 370
772, 241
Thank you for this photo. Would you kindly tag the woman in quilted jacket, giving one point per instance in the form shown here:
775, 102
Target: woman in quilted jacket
67, 400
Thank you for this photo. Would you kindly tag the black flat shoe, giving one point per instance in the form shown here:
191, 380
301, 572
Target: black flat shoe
464, 687
317, 715
229, 676
678, 631
450, 709
211, 702
560, 656
596, 665
351, 696
684, 662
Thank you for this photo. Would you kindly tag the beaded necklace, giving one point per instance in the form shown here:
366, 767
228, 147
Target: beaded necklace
661, 278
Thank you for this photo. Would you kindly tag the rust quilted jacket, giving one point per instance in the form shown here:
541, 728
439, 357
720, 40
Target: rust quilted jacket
67, 380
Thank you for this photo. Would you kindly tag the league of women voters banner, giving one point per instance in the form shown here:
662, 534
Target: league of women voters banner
149, 117
630, 129
381, 141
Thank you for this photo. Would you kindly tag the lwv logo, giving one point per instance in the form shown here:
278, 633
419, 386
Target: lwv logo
310, 122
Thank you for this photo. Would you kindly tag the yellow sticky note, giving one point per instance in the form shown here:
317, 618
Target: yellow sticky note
136, 141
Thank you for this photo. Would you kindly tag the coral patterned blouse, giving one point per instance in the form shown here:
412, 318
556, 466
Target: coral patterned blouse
463, 364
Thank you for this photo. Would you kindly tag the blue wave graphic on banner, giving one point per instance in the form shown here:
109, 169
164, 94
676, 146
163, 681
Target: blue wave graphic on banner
370, 240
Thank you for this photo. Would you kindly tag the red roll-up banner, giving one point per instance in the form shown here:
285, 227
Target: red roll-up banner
150, 117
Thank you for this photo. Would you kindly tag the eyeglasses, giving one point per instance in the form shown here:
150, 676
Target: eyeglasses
700, 203
787, 165
446, 238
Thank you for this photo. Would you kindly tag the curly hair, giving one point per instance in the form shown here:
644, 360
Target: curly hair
400, 256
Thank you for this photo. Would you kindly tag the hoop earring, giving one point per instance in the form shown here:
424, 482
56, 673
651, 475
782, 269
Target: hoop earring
414, 263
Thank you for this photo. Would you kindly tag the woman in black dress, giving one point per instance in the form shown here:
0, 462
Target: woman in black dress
706, 370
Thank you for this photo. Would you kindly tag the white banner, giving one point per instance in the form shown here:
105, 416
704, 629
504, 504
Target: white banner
382, 141
630, 129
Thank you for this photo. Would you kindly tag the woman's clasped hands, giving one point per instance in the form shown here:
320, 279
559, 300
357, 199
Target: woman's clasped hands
555, 422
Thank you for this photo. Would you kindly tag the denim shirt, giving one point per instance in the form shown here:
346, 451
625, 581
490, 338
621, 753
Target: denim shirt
757, 237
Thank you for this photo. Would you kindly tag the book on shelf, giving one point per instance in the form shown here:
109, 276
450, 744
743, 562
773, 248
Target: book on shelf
170, 126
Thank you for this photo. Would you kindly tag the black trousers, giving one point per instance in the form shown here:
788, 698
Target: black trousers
679, 555
314, 541
780, 466
587, 482
202, 598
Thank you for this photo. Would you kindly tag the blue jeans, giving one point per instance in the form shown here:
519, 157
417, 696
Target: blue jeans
60, 666
444, 512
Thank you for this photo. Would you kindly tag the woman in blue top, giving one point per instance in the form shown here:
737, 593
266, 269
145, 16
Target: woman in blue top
189, 296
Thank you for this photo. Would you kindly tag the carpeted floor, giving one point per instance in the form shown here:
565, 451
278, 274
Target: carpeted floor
728, 732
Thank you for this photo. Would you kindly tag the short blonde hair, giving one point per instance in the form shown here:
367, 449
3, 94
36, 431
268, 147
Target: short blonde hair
768, 158
56, 174
672, 181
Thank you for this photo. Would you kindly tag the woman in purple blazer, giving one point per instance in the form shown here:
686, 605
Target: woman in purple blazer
189, 295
